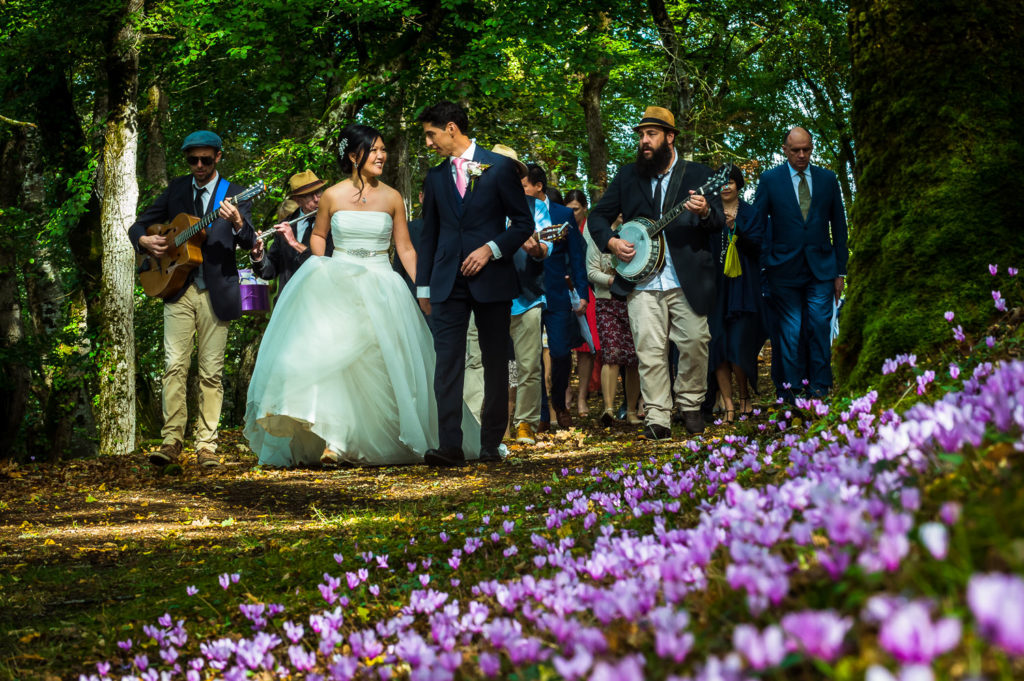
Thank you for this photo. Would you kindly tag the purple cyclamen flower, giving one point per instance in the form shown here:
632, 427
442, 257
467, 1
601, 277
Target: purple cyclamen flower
444, 537
958, 333
997, 602
629, 668
990, 341
935, 538
125, 645
575, 667
490, 664
762, 649
191, 590
950, 512
949, 315
235, 577
923, 380
1012, 271
338, 558
954, 370
301, 659
910, 636
993, 270
819, 633
225, 580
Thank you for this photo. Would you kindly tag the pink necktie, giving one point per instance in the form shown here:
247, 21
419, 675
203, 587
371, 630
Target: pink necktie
460, 175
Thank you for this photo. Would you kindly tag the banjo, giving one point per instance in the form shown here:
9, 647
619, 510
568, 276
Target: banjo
647, 238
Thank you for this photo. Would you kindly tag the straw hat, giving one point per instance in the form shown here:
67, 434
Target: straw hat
656, 115
305, 182
509, 152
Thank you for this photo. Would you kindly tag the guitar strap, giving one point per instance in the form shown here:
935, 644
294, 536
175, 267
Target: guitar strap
222, 191
676, 181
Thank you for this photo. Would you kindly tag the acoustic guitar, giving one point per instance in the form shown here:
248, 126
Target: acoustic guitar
647, 239
163, 277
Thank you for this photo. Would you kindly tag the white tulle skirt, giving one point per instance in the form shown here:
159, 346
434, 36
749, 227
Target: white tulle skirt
347, 363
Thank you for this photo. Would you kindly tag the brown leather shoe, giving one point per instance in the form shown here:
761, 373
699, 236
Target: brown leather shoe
166, 455
525, 434
207, 459
564, 418
543, 427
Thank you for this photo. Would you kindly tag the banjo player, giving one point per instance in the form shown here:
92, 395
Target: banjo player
674, 301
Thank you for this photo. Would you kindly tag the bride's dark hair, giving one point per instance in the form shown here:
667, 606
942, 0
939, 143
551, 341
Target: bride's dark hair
356, 140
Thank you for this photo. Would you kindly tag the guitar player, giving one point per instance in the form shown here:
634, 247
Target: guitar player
673, 304
207, 302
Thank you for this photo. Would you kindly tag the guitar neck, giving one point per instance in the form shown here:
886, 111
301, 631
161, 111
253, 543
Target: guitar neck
205, 222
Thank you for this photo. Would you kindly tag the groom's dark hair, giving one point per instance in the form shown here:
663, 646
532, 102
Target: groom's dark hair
443, 113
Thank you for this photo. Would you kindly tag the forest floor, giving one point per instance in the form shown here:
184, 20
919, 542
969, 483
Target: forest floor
90, 546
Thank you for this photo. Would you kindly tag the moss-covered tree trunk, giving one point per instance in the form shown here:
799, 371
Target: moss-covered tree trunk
937, 99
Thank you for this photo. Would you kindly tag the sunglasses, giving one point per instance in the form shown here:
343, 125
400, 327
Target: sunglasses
200, 160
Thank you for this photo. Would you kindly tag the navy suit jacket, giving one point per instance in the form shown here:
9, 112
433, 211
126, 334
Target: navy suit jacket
454, 226
219, 269
283, 261
787, 235
568, 256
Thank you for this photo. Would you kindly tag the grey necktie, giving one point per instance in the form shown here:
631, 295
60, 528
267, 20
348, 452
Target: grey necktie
803, 192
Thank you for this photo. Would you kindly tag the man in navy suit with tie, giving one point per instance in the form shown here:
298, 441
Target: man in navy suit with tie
465, 264
801, 208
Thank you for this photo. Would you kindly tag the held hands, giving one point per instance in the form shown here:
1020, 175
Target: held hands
697, 205
155, 244
839, 283
476, 260
424, 305
621, 249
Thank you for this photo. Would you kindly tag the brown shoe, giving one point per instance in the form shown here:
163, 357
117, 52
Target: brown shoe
207, 459
166, 455
564, 418
525, 434
543, 427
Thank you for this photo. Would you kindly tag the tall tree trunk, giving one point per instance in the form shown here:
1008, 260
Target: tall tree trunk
15, 372
153, 118
936, 91
116, 418
597, 142
679, 71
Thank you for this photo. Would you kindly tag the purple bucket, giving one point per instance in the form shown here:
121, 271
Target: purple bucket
255, 296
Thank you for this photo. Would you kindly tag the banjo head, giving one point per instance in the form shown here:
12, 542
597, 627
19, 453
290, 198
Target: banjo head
635, 232
650, 252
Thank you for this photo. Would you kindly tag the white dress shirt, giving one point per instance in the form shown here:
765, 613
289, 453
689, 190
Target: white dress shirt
666, 279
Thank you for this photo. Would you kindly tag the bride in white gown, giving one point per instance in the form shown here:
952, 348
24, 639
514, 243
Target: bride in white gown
346, 366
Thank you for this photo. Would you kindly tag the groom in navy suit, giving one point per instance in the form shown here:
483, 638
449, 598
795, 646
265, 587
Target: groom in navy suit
801, 209
465, 264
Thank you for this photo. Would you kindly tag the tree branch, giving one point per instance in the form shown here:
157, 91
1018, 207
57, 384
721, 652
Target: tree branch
17, 124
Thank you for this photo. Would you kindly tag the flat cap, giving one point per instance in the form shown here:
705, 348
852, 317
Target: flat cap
201, 138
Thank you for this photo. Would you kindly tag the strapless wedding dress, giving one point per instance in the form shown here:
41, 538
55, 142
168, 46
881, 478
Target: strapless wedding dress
347, 361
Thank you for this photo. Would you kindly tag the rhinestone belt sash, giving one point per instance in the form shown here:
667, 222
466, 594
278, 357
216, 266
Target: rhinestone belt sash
361, 252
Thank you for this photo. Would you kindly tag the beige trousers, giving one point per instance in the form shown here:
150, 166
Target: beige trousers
473, 381
657, 317
526, 341
192, 316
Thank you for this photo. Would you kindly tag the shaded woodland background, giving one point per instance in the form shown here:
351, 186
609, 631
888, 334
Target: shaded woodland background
913, 105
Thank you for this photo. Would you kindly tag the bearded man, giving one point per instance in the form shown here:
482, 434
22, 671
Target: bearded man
673, 303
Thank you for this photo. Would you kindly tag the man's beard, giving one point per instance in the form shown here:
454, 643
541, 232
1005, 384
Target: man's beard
657, 163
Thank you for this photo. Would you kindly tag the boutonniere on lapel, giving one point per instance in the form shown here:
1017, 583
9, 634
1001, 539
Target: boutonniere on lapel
475, 170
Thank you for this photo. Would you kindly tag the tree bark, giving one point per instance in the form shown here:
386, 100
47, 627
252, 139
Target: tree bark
15, 373
935, 88
154, 117
597, 142
116, 417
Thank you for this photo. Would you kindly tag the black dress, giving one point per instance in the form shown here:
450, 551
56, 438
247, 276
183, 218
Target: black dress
737, 332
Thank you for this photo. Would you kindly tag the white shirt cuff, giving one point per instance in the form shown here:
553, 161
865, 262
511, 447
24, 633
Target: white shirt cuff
547, 252
423, 292
495, 252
